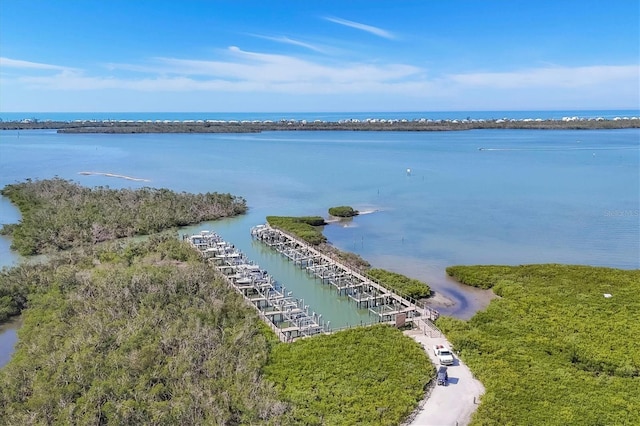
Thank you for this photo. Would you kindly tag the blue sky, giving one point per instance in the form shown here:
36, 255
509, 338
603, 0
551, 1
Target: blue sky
277, 56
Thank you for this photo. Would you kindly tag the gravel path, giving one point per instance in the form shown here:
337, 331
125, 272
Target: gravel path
452, 404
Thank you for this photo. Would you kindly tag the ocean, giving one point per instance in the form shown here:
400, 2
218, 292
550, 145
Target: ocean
429, 199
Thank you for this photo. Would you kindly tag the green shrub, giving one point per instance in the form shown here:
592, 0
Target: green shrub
136, 343
304, 227
400, 284
552, 350
364, 376
343, 211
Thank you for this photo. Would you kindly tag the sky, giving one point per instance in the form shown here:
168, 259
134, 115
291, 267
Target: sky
318, 55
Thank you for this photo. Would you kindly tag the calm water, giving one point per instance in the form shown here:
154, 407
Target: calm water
526, 197
8, 339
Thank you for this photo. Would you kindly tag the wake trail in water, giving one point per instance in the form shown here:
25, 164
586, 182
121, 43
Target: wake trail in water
113, 175
613, 148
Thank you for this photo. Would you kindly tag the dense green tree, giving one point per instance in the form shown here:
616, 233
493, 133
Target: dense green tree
149, 340
58, 214
363, 376
552, 349
343, 211
400, 284
307, 228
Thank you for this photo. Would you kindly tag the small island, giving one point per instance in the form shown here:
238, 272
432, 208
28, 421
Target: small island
343, 211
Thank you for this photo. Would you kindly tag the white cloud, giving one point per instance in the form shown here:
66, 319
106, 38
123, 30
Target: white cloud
245, 70
290, 41
363, 27
16, 63
551, 77
253, 75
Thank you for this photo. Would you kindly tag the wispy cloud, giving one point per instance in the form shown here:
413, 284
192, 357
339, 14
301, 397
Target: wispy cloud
363, 27
270, 70
554, 76
17, 63
243, 71
293, 42
258, 74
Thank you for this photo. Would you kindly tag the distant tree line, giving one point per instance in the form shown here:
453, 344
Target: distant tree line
287, 125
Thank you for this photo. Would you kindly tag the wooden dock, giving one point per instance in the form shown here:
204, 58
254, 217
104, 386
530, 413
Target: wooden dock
366, 293
287, 316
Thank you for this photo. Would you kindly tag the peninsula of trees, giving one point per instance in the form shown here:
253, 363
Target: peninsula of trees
58, 214
309, 229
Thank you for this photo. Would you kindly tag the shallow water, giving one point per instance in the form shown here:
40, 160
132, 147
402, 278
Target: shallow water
8, 339
529, 196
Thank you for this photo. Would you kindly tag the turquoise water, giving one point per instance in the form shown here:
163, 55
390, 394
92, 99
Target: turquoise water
322, 299
527, 197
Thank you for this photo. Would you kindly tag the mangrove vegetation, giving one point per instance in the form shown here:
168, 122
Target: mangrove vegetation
400, 284
145, 332
559, 346
132, 335
363, 376
58, 214
307, 228
343, 211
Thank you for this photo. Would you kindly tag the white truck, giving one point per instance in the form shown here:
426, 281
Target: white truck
445, 356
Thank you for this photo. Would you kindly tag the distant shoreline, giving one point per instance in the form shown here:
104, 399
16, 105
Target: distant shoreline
217, 126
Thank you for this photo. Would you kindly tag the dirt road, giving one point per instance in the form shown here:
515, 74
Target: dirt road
449, 405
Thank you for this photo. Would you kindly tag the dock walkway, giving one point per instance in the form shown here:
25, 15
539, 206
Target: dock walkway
287, 316
366, 293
